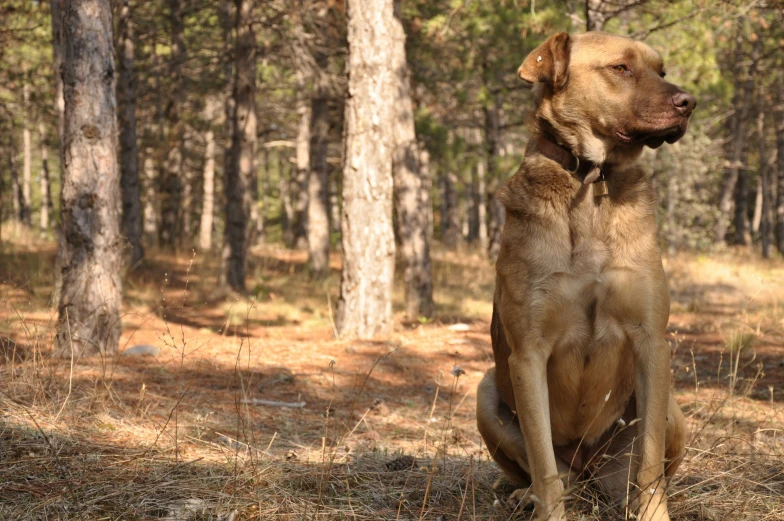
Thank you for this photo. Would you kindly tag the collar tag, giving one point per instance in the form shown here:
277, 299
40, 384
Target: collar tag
600, 186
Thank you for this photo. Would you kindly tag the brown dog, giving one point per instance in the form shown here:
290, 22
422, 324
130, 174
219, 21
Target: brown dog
581, 302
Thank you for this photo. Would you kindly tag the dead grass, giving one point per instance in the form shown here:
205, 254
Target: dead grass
176, 436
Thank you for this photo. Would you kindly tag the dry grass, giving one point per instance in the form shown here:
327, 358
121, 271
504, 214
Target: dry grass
172, 437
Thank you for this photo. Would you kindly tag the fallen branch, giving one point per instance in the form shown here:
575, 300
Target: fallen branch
272, 403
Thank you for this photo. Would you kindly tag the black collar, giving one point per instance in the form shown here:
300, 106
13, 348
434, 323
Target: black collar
583, 169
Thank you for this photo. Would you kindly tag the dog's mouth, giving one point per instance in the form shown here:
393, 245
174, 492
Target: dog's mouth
653, 138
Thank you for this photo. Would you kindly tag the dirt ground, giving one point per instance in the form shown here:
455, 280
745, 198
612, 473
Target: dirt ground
251, 409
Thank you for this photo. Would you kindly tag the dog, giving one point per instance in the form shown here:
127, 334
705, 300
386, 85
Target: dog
581, 383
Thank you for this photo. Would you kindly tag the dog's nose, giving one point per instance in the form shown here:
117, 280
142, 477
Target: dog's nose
684, 103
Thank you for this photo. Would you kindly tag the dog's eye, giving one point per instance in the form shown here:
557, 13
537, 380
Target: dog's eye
620, 68
662, 74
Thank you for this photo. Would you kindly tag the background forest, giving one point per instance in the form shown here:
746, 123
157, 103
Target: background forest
287, 343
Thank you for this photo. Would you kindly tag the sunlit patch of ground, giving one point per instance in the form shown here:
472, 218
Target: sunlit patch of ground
252, 406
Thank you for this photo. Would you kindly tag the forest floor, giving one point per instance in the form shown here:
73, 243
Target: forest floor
252, 410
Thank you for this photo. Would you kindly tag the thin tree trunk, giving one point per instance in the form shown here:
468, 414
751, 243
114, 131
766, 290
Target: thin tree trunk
766, 228
741, 104
240, 175
89, 304
778, 114
492, 141
334, 202
594, 16
318, 216
672, 194
150, 225
129, 154
171, 185
26, 153
16, 187
481, 204
300, 192
365, 305
742, 237
451, 217
286, 210
756, 220
427, 185
265, 188
208, 197
57, 66
408, 185
47, 208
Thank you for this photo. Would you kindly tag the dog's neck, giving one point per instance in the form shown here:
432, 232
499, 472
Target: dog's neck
583, 169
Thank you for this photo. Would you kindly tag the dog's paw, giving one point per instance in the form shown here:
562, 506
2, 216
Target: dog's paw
520, 499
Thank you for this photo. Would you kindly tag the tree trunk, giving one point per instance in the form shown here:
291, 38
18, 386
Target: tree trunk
481, 204
171, 185
778, 114
742, 236
208, 198
150, 225
492, 141
265, 187
26, 153
594, 16
756, 220
16, 188
408, 185
57, 65
427, 185
318, 217
47, 209
741, 104
301, 176
89, 304
286, 210
672, 194
239, 192
365, 305
450, 220
129, 154
766, 228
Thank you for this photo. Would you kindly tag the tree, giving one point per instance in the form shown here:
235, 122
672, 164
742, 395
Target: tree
89, 304
409, 190
26, 153
129, 155
365, 305
318, 184
243, 149
47, 209
171, 184
208, 198
778, 115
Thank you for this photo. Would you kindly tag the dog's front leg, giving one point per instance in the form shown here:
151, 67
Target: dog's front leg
528, 369
652, 391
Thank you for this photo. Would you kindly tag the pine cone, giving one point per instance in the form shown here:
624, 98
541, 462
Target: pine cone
402, 463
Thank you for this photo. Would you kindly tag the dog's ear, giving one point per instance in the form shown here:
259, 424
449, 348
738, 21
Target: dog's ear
548, 62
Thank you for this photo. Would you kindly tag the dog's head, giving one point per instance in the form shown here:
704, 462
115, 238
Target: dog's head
605, 95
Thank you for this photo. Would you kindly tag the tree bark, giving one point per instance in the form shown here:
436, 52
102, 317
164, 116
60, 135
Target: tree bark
171, 185
741, 103
150, 225
238, 179
301, 176
56, 7
208, 197
408, 185
778, 114
286, 210
594, 16
89, 303
16, 187
129, 153
26, 153
492, 141
756, 220
318, 217
766, 225
47, 208
365, 304
450, 220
